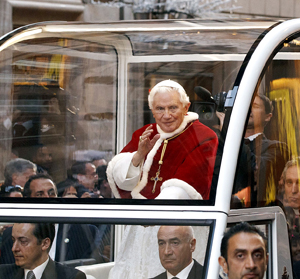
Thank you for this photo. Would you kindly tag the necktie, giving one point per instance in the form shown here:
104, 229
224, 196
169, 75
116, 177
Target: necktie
30, 275
174, 277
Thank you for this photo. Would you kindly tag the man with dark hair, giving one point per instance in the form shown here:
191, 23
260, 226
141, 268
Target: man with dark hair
176, 245
18, 171
103, 185
262, 160
40, 186
31, 246
85, 174
42, 157
244, 252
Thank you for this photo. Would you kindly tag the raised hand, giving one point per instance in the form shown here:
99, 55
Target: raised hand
145, 145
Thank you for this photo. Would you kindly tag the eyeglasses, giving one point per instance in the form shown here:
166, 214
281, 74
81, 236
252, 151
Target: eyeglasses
9, 189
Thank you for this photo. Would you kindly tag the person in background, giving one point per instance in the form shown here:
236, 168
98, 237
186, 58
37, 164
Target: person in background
42, 157
84, 173
98, 161
67, 189
18, 171
290, 176
262, 160
103, 185
11, 191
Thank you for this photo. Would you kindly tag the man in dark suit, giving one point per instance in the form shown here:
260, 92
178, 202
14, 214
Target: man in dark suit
31, 246
176, 245
262, 160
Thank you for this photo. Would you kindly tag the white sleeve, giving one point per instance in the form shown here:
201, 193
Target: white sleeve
125, 174
173, 193
179, 190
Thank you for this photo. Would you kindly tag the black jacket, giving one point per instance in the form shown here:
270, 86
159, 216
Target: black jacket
195, 273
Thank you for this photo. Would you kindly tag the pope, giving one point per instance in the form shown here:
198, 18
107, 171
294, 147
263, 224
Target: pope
170, 159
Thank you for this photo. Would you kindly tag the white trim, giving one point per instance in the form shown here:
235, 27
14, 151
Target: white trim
190, 190
62, 6
186, 57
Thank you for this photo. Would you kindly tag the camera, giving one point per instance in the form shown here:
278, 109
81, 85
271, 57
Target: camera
208, 105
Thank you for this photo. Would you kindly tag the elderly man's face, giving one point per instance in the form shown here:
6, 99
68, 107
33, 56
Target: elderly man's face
168, 111
21, 178
175, 248
246, 257
43, 188
26, 249
291, 187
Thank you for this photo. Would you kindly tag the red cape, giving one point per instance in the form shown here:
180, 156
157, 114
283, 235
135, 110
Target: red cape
189, 157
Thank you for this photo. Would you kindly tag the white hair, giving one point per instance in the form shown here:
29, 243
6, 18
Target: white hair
168, 86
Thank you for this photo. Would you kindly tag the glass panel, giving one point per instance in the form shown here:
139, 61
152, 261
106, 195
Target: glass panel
60, 96
230, 38
145, 252
269, 171
59, 104
273, 131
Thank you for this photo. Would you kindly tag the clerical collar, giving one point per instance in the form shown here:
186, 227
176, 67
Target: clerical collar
38, 271
183, 274
253, 137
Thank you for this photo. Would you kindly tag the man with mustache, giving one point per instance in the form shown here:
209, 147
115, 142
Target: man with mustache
244, 252
176, 245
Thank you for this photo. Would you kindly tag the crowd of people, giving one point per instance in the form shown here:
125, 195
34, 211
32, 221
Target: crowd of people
84, 180
84, 241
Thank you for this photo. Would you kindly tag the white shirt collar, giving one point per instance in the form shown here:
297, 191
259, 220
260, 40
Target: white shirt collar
253, 137
38, 271
183, 274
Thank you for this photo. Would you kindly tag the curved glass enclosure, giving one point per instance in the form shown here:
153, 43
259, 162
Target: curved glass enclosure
77, 92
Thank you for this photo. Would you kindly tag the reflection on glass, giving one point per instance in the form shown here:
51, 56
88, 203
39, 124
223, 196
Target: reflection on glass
262, 159
61, 104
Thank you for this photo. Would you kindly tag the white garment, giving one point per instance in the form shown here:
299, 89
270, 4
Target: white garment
138, 256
